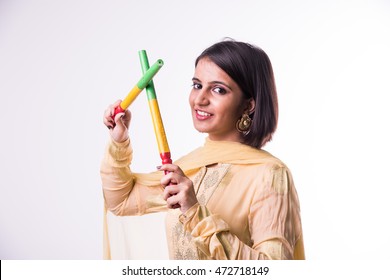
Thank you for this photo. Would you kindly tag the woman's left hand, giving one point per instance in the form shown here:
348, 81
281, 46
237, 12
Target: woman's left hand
178, 189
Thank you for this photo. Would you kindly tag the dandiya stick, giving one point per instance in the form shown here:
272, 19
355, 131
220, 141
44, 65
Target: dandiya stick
136, 90
159, 131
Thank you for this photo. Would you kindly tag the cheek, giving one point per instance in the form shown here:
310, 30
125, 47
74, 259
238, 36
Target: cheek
235, 114
191, 98
233, 109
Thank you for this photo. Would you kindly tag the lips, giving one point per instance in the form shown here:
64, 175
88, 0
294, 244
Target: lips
201, 115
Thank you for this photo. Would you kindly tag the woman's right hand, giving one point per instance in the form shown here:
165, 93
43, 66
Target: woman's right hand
119, 126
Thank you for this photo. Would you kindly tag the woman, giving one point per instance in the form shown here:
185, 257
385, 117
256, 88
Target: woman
228, 199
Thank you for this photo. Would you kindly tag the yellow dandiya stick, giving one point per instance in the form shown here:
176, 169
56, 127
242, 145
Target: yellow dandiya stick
136, 90
159, 131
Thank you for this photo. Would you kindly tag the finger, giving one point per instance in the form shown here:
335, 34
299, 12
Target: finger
174, 206
170, 190
170, 178
117, 103
119, 121
109, 112
172, 168
126, 118
173, 202
108, 123
107, 119
119, 117
113, 107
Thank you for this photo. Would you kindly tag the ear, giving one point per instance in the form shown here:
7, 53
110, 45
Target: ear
251, 105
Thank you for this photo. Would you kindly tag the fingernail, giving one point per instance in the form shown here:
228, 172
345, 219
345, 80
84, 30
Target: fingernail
158, 167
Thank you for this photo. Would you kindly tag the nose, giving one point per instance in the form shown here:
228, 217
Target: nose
201, 97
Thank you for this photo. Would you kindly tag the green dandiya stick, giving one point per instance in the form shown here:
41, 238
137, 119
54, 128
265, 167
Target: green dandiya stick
136, 90
159, 131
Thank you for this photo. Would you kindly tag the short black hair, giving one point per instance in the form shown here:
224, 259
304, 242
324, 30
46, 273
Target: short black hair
250, 67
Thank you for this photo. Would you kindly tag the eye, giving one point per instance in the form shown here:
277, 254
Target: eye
219, 90
196, 86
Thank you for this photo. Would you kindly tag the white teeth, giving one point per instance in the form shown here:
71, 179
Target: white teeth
203, 114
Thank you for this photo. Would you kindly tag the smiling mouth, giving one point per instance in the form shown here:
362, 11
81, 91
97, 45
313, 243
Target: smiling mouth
202, 114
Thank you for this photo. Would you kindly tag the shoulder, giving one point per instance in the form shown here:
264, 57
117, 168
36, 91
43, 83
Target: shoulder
267, 163
271, 174
277, 175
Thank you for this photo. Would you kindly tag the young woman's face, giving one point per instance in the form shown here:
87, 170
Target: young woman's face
216, 102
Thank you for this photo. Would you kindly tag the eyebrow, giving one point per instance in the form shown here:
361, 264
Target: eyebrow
213, 83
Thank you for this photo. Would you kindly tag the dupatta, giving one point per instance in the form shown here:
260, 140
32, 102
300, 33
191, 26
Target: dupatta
210, 153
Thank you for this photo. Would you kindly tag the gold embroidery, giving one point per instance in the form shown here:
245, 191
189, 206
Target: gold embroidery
184, 248
280, 180
205, 183
210, 182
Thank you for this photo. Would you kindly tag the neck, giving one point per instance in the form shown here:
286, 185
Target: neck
233, 138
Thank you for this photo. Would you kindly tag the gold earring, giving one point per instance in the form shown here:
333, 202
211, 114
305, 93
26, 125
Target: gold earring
244, 123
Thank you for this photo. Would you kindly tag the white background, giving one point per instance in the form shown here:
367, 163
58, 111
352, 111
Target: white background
63, 62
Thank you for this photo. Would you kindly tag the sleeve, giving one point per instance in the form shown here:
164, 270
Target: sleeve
274, 224
123, 196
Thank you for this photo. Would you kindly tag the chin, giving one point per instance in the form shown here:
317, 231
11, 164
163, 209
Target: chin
200, 129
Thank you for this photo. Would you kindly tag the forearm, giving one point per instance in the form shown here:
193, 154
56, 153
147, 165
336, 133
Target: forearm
123, 194
117, 180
